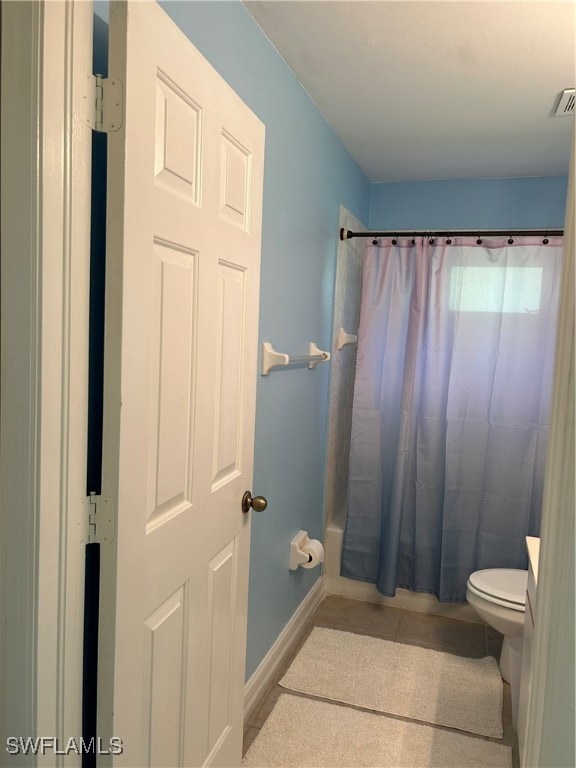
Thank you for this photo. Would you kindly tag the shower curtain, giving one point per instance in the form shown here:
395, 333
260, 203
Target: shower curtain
450, 416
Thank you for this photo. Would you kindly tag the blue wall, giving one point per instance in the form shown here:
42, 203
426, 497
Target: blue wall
307, 175
515, 203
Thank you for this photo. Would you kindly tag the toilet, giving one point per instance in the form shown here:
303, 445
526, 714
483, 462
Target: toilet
498, 595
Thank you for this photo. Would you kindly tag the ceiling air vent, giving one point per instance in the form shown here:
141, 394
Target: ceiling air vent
565, 104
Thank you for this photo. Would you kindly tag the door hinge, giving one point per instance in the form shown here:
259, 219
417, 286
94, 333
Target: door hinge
100, 520
106, 109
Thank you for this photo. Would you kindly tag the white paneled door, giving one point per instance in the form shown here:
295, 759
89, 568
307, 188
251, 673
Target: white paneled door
184, 218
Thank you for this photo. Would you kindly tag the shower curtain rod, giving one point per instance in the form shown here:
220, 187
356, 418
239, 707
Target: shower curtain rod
346, 234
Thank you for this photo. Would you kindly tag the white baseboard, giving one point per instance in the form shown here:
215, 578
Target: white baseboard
269, 665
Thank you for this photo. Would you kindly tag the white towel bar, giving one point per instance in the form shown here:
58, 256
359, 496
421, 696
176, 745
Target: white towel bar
272, 359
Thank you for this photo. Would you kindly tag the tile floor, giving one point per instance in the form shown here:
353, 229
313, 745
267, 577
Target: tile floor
464, 638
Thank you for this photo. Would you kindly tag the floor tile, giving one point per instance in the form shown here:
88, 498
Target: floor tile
493, 642
294, 650
464, 637
267, 706
469, 653
249, 736
510, 737
453, 635
358, 616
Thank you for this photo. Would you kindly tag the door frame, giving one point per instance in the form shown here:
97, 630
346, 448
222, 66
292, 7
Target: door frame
46, 151
550, 714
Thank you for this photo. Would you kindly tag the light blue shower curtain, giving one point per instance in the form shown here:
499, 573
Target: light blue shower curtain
450, 416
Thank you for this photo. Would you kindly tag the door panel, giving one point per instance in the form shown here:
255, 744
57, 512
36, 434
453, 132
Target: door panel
235, 181
185, 200
172, 388
178, 136
165, 663
221, 601
229, 318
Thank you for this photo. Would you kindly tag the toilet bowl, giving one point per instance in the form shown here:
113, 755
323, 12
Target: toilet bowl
498, 595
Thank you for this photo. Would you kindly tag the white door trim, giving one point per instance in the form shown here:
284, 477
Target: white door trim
46, 146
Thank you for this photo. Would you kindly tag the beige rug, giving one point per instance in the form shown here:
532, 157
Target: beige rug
405, 680
304, 733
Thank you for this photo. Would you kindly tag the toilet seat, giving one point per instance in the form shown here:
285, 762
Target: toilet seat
503, 586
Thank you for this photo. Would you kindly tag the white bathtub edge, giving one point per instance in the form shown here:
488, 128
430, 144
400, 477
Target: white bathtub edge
341, 586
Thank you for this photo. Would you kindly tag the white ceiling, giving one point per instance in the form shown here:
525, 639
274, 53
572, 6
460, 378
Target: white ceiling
434, 89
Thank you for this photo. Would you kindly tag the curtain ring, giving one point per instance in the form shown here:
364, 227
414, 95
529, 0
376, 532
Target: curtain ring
431, 241
510, 240
395, 239
546, 241
375, 241
448, 240
414, 239
479, 241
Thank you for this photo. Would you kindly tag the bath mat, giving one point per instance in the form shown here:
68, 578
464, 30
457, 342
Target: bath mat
304, 733
405, 680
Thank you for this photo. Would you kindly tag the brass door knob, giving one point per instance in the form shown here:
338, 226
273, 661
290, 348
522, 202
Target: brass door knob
258, 503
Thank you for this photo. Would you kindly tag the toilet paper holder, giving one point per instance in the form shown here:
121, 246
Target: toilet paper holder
305, 552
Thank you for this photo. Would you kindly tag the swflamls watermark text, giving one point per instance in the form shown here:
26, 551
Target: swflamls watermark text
44, 745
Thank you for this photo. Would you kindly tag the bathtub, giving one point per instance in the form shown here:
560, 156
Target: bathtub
361, 590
